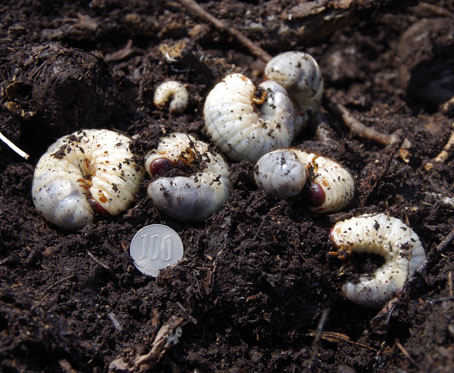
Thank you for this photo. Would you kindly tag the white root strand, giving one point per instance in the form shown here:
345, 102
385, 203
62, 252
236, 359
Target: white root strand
13, 146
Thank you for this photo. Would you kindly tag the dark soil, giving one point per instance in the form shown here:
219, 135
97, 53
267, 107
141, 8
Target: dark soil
256, 278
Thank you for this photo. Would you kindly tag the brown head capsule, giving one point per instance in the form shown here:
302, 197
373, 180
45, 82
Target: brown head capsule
160, 166
316, 195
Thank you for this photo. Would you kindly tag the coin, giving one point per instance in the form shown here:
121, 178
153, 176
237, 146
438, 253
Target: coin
155, 247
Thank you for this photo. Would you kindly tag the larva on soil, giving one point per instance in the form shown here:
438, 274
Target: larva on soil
245, 126
300, 75
86, 171
284, 173
202, 183
174, 91
386, 236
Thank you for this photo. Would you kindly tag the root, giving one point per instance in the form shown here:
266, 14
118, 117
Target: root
358, 128
443, 155
13, 146
198, 11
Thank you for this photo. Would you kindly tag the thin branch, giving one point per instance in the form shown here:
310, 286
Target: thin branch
370, 183
198, 11
443, 155
445, 242
443, 299
315, 345
97, 261
407, 355
339, 337
358, 128
450, 287
13, 147
51, 286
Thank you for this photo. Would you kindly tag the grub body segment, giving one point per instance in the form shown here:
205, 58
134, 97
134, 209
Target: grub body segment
243, 126
172, 91
300, 75
285, 172
201, 189
89, 168
389, 237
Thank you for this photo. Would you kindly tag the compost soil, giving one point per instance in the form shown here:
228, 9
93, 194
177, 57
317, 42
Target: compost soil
257, 289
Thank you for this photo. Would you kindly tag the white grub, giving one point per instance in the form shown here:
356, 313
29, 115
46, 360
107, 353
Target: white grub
284, 172
246, 123
204, 186
87, 171
300, 75
386, 236
174, 91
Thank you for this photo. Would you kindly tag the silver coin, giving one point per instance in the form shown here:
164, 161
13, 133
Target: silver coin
155, 247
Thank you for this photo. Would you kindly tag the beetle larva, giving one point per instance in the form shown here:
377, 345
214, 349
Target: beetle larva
386, 236
300, 75
284, 172
87, 171
189, 182
244, 126
176, 92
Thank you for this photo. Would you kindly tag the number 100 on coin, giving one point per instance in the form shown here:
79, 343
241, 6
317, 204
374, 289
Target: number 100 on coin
155, 247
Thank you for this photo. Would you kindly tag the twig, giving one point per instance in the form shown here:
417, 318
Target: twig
262, 223
380, 323
435, 9
438, 250
373, 179
43, 296
13, 147
97, 261
451, 292
443, 200
339, 337
443, 299
359, 128
407, 355
198, 11
443, 155
259, 228
315, 345
57, 283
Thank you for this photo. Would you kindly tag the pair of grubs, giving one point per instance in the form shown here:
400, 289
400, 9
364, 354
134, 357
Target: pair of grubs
284, 172
94, 171
246, 122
